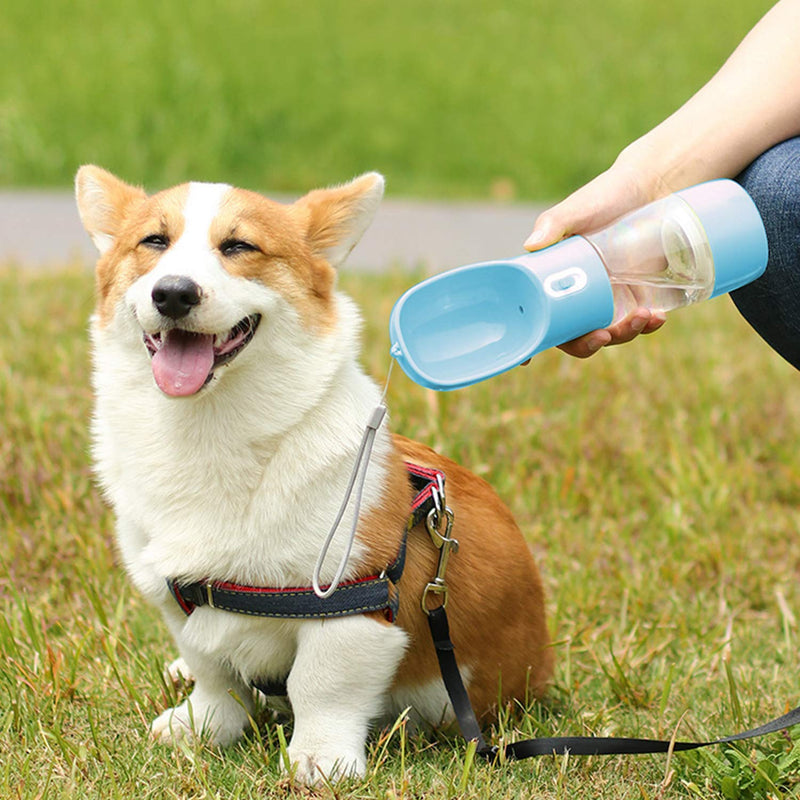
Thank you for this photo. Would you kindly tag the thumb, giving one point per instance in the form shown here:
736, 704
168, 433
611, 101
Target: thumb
548, 229
604, 199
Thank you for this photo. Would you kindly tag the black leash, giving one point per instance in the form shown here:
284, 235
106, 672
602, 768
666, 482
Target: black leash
559, 745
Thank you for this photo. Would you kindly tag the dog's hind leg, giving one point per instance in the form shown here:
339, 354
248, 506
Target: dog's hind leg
338, 684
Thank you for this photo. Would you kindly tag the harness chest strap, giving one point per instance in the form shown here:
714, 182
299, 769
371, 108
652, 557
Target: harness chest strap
375, 593
359, 596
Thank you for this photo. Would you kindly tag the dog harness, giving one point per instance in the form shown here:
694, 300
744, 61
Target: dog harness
358, 596
379, 592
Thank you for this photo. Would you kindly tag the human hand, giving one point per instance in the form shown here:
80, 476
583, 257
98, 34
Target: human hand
622, 188
640, 320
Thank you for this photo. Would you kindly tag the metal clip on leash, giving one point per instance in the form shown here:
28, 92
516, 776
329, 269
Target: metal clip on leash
439, 523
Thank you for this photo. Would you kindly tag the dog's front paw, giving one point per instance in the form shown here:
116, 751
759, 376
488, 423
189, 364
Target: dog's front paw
179, 672
221, 726
173, 725
322, 766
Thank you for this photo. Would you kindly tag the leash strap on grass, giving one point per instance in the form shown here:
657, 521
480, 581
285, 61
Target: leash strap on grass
560, 745
445, 652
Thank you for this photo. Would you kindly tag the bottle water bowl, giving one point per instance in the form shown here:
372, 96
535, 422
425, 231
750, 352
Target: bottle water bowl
476, 324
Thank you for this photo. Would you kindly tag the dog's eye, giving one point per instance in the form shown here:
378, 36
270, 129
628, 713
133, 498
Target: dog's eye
232, 247
156, 241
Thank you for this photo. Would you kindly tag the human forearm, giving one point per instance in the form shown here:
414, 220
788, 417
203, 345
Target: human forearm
752, 103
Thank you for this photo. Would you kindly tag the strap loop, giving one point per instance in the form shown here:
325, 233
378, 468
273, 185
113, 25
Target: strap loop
357, 478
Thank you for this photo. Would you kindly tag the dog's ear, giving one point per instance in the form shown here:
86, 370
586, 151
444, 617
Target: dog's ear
103, 201
336, 218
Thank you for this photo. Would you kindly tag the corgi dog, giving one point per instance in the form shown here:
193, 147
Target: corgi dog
229, 408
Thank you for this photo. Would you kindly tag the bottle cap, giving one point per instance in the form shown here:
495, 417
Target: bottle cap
734, 229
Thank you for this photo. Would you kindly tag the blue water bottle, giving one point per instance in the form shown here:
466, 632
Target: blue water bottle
474, 322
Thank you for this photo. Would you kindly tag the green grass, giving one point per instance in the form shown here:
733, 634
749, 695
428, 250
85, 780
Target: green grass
657, 483
456, 98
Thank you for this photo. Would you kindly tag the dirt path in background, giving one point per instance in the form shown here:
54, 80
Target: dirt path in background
40, 229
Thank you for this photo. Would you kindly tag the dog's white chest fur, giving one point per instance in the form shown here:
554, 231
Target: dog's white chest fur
210, 487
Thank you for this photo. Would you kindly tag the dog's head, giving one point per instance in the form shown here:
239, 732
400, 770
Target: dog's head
194, 275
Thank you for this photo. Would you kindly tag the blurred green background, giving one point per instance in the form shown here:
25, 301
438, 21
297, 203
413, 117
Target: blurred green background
509, 99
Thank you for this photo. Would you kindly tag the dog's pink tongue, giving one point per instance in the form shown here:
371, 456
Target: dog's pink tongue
182, 363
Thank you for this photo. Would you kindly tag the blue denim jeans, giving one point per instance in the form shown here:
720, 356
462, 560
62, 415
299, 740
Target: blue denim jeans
772, 303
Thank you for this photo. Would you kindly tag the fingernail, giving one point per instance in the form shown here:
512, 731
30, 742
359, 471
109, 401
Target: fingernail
536, 238
637, 324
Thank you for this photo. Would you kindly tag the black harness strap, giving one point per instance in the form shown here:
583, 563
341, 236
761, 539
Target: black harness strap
360, 596
560, 745
374, 593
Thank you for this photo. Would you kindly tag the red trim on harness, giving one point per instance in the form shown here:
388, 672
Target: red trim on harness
429, 474
237, 587
186, 606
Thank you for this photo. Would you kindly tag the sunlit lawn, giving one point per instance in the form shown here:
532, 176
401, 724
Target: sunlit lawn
460, 99
657, 483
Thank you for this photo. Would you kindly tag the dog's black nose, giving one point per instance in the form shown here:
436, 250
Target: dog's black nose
175, 296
